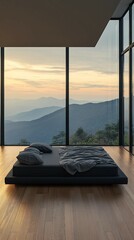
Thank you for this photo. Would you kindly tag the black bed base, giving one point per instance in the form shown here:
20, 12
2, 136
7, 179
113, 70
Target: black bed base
121, 178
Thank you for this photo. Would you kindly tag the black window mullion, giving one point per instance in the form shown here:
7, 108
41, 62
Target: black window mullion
67, 96
130, 80
2, 96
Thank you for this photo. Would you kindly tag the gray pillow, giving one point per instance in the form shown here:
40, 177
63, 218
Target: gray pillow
43, 147
29, 158
32, 149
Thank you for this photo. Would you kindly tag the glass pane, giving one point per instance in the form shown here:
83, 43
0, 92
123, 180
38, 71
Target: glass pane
34, 95
133, 23
133, 95
126, 30
126, 100
94, 91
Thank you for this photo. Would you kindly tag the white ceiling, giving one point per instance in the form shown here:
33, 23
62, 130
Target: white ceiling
54, 22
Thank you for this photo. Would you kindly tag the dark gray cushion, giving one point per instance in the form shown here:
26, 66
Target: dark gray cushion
43, 147
32, 149
29, 158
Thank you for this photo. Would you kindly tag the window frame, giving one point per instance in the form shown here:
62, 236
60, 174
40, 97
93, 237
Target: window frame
66, 95
122, 53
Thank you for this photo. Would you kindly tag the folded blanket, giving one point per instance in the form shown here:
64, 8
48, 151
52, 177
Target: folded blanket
80, 159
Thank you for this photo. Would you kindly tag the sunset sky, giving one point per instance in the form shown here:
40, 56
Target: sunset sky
40, 72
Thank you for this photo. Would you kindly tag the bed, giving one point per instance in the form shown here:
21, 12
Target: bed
51, 172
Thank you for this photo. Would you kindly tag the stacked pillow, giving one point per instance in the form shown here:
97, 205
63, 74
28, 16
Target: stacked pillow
45, 148
32, 155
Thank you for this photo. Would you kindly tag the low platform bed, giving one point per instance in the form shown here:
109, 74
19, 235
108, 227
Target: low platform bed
51, 172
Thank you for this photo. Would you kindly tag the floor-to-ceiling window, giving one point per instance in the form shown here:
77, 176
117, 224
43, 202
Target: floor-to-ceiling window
126, 31
127, 56
126, 100
35, 91
94, 85
34, 95
126, 81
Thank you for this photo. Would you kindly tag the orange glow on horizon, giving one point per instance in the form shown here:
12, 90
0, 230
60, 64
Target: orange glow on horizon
35, 81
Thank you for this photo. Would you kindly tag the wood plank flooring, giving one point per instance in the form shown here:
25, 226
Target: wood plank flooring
67, 213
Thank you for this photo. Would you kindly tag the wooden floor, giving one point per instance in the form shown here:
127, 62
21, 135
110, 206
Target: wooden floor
67, 213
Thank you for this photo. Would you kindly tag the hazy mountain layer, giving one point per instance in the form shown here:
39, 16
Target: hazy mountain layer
15, 106
33, 114
91, 117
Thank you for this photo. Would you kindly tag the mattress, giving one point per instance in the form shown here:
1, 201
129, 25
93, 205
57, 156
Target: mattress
52, 168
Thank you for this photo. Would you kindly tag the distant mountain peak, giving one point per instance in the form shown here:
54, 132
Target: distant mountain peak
92, 117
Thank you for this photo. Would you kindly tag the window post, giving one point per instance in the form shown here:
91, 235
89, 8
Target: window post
67, 95
2, 96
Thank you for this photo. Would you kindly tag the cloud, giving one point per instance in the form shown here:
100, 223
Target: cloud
12, 66
94, 67
76, 86
40, 83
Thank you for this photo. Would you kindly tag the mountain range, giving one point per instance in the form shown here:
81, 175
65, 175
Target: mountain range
90, 116
15, 106
33, 114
